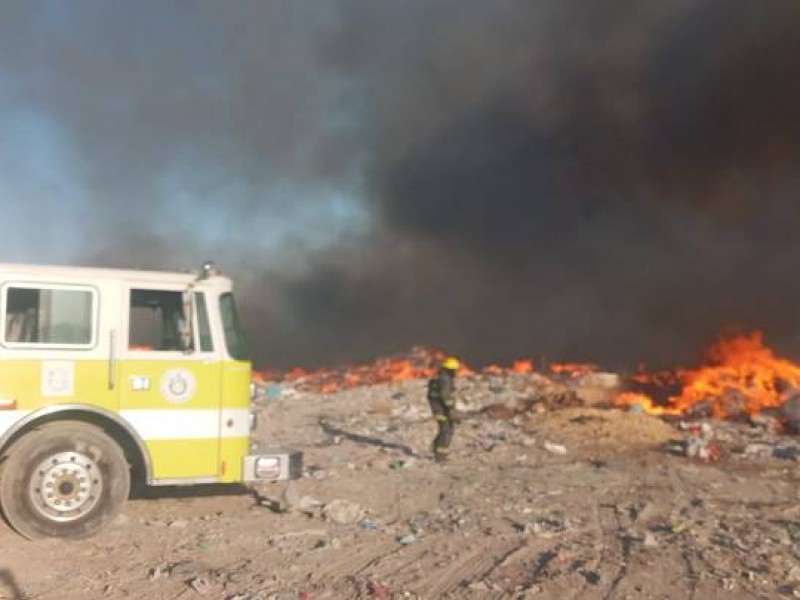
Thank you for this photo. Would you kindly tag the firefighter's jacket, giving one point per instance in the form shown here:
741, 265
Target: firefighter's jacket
441, 391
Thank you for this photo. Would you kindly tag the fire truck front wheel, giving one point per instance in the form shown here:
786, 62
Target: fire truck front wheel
63, 479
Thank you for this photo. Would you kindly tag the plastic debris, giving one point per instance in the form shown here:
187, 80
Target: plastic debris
200, 585
555, 448
679, 527
377, 589
700, 443
407, 539
370, 524
343, 512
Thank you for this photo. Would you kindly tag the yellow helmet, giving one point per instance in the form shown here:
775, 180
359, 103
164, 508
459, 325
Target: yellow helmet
451, 363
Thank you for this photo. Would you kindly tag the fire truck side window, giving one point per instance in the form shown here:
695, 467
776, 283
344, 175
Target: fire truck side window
156, 321
55, 316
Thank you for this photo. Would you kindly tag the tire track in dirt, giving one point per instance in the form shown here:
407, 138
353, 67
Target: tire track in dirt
465, 569
601, 551
353, 561
691, 578
401, 564
620, 547
541, 564
626, 547
523, 565
690, 574
329, 575
502, 560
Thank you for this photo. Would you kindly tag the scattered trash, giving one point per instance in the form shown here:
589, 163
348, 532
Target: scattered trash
486, 444
767, 422
234, 577
679, 527
273, 390
419, 522
407, 539
343, 512
370, 524
700, 443
187, 569
291, 499
609, 381
158, 572
378, 590
786, 452
758, 450
636, 409
200, 585
650, 540
555, 448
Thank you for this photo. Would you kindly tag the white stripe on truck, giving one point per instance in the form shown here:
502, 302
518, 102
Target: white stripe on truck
168, 424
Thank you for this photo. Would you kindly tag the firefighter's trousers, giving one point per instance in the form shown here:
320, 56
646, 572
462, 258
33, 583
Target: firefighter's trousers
445, 428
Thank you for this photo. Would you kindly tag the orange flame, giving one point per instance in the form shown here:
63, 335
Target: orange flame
646, 403
573, 369
421, 363
522, 366
742, 376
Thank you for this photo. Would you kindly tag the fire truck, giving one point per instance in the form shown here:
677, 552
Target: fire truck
112, 379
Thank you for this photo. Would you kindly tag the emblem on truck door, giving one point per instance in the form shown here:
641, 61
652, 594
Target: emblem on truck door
178, 385
58, 378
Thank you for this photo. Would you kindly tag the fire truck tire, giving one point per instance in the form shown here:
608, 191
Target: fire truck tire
63, 479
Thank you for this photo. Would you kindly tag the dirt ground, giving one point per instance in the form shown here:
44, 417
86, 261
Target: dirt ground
581, 503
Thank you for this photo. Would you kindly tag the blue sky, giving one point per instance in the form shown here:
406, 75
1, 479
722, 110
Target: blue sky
144, 119
42, 200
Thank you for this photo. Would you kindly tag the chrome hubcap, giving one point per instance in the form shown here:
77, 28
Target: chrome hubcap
66, 486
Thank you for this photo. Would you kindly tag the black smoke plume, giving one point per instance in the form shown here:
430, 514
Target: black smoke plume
611, 182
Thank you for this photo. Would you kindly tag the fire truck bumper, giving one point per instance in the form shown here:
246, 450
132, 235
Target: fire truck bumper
273, 465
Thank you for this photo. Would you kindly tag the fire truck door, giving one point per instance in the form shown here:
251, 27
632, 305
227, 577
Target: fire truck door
170, 385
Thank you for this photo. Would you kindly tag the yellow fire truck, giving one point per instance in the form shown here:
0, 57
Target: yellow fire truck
113, 377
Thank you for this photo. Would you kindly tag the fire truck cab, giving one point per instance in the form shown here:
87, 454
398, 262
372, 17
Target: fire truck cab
110, 377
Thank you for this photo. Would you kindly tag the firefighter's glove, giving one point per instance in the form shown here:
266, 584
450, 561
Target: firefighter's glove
455, 415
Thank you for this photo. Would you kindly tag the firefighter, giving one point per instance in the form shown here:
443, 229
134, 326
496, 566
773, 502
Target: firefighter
442, 398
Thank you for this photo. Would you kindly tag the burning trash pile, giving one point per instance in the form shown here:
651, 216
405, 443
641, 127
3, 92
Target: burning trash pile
743, 378
420, 363
742, 384
565, 384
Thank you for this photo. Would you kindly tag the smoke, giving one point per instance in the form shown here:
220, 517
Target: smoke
606, 182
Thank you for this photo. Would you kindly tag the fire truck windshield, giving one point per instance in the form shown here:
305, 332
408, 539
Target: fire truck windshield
234, 340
